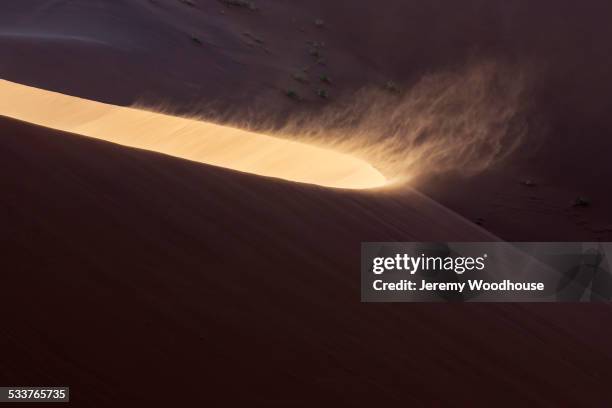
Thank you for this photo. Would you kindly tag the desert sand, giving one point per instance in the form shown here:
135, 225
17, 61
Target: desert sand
136, 278
143, 52
189, 139
140, 278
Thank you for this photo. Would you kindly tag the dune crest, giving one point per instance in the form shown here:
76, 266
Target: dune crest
189, 139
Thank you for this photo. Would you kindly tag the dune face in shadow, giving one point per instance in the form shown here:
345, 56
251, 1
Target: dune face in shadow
189, 139
176, 276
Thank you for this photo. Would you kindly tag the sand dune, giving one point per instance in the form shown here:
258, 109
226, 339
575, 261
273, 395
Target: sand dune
138, 278
153, 60
188, 138
145, 272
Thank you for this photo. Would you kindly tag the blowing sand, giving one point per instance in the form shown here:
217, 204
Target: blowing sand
190, 139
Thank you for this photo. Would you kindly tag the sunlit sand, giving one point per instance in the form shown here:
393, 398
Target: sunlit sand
189, 139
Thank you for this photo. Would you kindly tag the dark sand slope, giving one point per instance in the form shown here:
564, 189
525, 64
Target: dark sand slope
125, 51
132, 277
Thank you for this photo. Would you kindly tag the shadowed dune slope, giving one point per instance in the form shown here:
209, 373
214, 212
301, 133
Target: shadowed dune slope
135, 277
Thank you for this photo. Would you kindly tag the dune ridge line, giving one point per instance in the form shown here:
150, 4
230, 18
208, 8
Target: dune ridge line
191, 139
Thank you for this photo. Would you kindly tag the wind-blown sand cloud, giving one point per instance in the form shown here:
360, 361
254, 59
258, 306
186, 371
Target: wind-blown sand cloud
465, 120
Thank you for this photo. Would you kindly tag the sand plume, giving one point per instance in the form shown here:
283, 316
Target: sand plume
464, 120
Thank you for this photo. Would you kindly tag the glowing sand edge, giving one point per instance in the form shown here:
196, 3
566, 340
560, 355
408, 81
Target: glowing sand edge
190, 139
